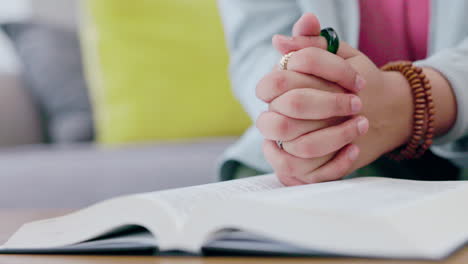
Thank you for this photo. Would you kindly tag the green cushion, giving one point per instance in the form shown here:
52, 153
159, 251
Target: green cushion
158, 71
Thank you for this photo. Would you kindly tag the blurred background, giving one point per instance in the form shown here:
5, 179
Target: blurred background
103, 98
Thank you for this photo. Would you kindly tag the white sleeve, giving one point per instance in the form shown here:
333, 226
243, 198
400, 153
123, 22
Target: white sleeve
249, 26
453, 64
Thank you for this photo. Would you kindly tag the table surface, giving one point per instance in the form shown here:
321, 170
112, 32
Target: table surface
12, 219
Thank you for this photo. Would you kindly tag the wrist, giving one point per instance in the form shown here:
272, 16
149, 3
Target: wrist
400, 107
444, 100
398, 110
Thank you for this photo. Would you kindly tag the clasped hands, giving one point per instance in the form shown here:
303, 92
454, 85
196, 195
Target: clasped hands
334, 113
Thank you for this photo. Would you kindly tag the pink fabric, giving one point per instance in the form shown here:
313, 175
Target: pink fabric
394, 29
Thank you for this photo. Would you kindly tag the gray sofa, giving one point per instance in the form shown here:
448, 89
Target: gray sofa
40, 176
69, 176
35, 175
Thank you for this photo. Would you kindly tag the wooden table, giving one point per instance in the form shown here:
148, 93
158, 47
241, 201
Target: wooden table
10, 220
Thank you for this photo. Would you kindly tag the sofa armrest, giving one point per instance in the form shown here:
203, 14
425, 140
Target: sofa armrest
19, 119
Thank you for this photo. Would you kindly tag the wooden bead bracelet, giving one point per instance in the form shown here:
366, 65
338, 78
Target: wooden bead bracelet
423, 114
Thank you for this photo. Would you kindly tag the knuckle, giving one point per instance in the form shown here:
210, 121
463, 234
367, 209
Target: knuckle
282, 127
295, 103
278, 81
271, 85
274, 126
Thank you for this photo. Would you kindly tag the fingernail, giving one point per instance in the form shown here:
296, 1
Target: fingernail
359, 83
356, 104
363, 125
353, 153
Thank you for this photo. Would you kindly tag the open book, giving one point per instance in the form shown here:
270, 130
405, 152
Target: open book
373, 217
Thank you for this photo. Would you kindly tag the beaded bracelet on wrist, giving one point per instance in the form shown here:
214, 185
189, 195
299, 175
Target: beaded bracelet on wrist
423, 114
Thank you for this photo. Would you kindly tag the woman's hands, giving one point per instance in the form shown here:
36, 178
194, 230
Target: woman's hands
321, 110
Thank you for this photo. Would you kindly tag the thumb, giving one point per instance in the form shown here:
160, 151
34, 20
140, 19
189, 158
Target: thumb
307, 25
286, 45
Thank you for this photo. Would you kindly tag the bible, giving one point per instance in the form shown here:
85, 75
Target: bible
363, 217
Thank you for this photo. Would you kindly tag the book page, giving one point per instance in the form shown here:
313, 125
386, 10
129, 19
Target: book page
184, 200
358, 217
369, 194
162, 213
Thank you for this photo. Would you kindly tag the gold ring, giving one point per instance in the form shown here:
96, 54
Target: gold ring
284, 61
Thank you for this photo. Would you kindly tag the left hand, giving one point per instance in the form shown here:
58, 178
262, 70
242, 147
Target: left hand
386, 99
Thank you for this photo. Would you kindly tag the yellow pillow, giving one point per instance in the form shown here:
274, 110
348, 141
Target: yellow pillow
158, 70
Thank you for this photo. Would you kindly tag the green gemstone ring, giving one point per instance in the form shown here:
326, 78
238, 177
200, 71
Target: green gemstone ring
333, 42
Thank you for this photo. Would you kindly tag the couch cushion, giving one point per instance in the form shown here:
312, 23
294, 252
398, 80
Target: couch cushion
158, 71
76, 176
19, 119
51, 60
